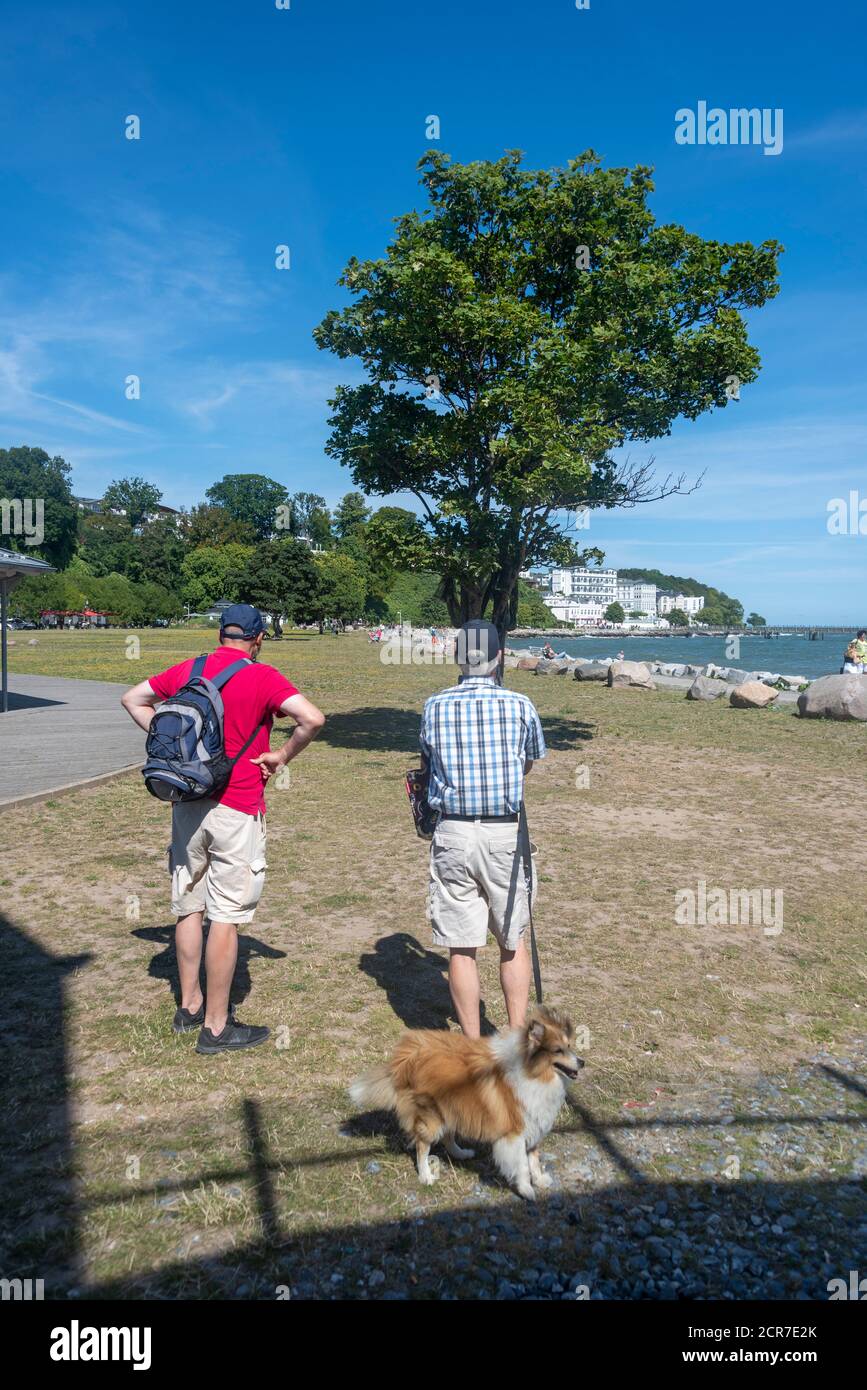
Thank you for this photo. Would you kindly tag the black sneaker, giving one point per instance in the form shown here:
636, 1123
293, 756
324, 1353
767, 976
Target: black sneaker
185, 1022
234, 1036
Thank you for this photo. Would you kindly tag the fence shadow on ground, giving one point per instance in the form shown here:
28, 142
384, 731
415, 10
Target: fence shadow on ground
716, 1243
743, 1238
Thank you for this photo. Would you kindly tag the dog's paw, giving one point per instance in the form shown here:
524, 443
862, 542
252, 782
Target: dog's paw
543, 1180
527, 1191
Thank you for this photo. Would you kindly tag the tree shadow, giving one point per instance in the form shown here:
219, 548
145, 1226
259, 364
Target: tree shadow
565, 733
379, 729
386, 729
415, 981
164, 965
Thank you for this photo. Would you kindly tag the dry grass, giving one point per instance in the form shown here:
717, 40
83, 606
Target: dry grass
179, 1160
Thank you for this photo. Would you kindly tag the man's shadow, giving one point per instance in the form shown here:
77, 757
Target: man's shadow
164, 965
415, 981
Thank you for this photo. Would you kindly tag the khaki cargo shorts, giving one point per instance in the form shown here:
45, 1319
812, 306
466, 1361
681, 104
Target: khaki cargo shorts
476, 873
217, 861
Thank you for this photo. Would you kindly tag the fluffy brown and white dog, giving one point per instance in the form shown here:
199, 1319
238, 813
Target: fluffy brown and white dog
506, 1091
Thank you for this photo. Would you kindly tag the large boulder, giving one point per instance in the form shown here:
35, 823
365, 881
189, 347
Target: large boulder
835, 697
630, 673
706, 688
553, 666
752, 695
591, 671
509, 661
528, 663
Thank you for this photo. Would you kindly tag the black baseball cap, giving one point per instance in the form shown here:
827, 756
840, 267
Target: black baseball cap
243, 616
478, 643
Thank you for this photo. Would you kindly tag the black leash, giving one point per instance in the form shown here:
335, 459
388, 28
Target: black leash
527, 857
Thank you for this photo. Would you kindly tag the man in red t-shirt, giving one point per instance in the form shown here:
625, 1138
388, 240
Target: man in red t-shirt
218, 845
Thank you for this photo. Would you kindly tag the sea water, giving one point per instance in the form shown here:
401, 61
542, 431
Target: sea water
787, 656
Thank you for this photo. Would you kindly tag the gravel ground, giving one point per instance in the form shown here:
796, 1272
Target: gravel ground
752, 1191
645, 1209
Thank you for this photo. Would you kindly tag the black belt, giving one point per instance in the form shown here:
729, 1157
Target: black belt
449, 815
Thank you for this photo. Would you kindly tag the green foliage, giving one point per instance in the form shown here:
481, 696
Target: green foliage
310, 518
756, 620
502, 374
208, 524
532, 610
29, 474
106, 543
211, 573
342, 587
350, 513
677, 618
614, 613
281, 578
254, 499
135, 497
56, 591
160, 555
410, 595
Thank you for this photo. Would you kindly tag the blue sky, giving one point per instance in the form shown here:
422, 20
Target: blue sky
262, 126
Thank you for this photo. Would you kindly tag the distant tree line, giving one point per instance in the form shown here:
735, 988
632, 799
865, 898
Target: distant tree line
249, 540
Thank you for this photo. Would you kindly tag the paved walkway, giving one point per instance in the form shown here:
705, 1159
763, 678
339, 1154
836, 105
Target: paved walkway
59, 731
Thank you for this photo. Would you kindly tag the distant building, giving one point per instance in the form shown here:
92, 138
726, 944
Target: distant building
687, 603
637, 596
96, 507
592, 586
581, 612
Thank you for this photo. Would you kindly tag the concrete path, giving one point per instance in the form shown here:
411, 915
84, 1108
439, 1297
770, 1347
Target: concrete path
59, 733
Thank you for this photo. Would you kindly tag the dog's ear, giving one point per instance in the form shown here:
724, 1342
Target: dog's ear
535, 1034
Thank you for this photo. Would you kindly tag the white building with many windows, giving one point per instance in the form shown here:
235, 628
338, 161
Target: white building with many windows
637, 596
587, 585
581, 612
687, 603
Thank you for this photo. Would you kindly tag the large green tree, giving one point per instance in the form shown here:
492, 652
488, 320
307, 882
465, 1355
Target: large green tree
29, 477
107, 544
350, 513
342, 587
135, 497
311, 519
517, 332
212, 525
281, 578
211, 573
252, 498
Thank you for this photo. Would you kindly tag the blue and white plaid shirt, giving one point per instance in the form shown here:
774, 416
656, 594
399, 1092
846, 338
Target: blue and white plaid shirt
476, 738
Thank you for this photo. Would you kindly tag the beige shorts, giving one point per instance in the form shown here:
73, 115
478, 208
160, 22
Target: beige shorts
217, 861
477, 884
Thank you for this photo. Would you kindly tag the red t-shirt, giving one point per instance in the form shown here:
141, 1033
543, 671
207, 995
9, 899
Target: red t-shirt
252, 697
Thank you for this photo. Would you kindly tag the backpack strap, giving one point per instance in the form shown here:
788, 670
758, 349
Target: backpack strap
198, 667
228, 672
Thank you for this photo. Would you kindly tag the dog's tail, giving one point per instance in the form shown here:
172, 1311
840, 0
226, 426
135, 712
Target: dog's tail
375, 1089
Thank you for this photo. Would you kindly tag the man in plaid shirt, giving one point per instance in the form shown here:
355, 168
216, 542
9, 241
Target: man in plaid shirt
478, 741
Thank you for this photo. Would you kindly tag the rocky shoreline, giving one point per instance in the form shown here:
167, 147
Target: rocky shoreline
842, 697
